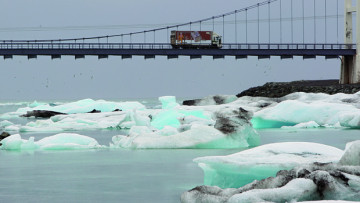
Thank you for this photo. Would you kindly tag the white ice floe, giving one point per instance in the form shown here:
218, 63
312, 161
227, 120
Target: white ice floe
292, 112
87, 121
198, 136
63, 141
264, 161
81, 106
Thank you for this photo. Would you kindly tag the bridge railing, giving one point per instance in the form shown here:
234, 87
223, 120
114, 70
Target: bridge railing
10, 45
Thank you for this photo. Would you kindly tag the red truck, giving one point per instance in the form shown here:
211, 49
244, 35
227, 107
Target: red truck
195, 40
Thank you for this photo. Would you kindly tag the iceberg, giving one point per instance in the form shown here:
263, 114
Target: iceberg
239, 169
86, 121
303, 183
63, 141
198, 137
81, 106
292, 112
221, 128
315, 176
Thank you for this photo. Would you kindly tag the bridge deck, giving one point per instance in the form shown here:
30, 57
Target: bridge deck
162, 49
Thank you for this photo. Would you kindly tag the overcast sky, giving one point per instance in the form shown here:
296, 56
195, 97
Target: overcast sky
114, 78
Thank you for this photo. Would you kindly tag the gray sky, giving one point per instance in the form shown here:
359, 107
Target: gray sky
114, 78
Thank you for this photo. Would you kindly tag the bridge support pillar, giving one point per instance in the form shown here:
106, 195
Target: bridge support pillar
350, 70
350, 65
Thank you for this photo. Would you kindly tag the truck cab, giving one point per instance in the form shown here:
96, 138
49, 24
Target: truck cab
216, 40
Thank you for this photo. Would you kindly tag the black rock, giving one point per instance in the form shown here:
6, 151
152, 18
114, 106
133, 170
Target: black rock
280, 89
94, 111
3, 136
117, 110
42, 114
210, 100
192, 102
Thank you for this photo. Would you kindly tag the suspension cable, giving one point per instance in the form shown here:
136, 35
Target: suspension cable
157, 29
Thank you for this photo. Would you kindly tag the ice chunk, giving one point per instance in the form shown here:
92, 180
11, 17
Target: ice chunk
62, 141
12, 128
168, 102
292, 112
255, 164
65, 141
350, 119
199, 136
87, 121
298, 189
5, 123
15, 142
352, 154
81, 106
35, 104
173, 117
310, 124
309, 182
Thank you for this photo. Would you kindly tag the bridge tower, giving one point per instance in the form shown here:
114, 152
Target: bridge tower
350, 65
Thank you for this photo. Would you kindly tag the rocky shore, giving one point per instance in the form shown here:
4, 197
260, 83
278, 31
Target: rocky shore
280, 89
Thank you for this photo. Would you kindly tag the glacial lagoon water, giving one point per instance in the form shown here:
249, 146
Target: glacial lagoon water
121, 175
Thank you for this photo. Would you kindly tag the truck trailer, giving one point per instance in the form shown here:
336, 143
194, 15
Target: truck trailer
195, 40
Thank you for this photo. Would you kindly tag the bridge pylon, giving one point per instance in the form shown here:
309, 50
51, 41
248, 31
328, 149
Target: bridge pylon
350, 65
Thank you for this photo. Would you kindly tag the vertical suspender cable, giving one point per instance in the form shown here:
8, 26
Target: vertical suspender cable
314, 22
246, 24
236, 28
325, 23
167, 34
213, 21
144, 37
223, 28
154, 37
130, 38
337, 21
258, 9
122, 39
303, 15
190, 33
292, 23
269, 21
280, 24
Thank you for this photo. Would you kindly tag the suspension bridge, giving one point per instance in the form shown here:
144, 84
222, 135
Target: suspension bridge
285, 28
